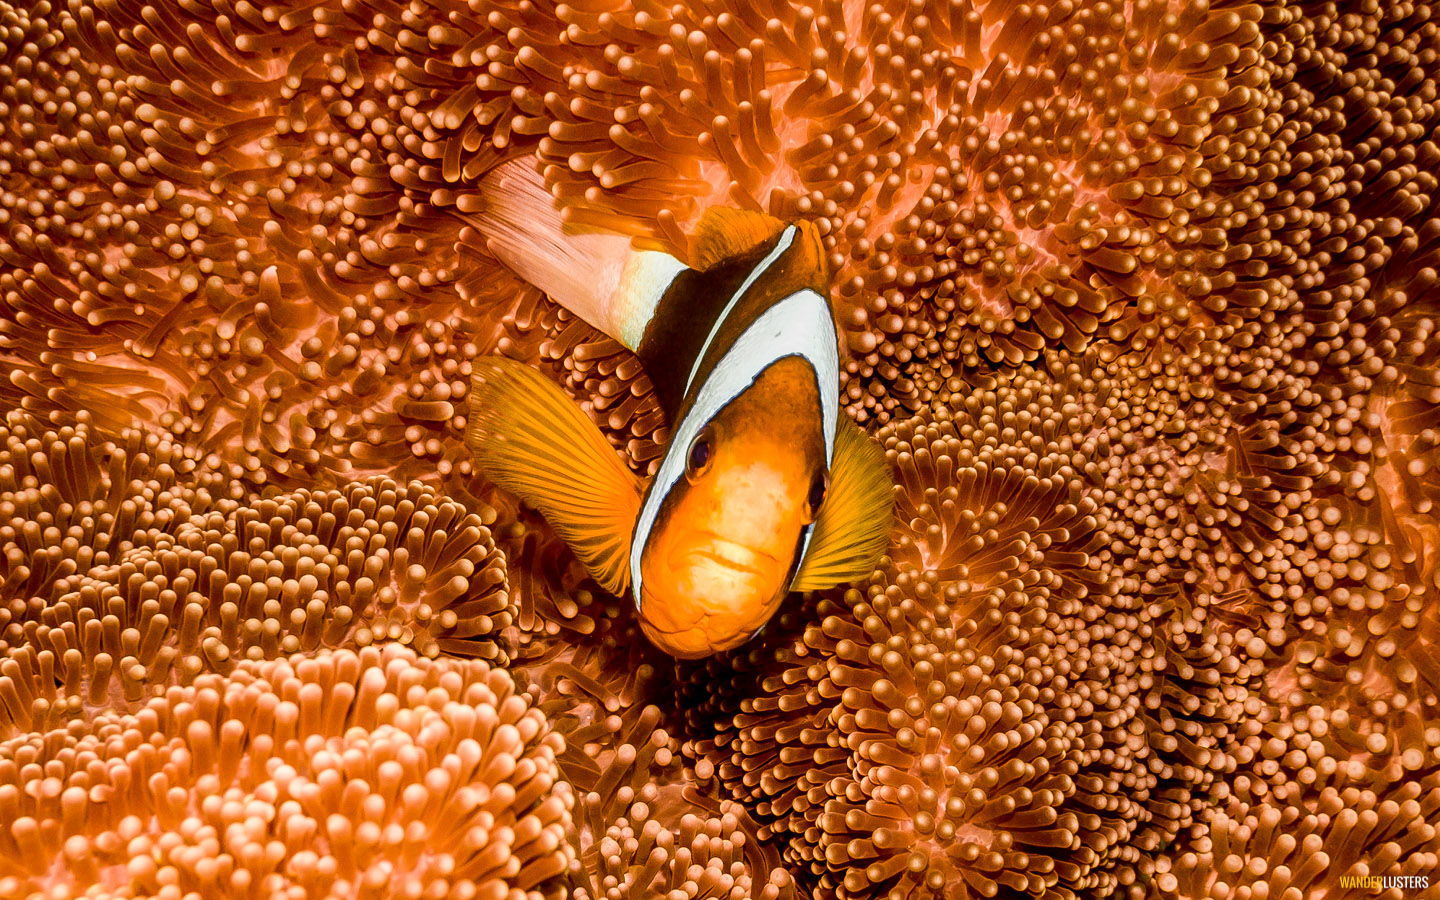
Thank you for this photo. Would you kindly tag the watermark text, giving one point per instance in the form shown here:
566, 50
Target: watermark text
1379, 883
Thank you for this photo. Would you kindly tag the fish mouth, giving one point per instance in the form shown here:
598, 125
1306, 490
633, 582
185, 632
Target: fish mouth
734, 555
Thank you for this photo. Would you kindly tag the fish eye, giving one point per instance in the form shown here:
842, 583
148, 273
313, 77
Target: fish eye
701, 452
818, 485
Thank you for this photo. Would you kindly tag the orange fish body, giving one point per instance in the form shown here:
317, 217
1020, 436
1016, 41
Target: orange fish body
721, 559
765, 486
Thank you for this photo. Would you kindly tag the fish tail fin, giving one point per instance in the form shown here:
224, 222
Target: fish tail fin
598, 276
853, 527
530, 438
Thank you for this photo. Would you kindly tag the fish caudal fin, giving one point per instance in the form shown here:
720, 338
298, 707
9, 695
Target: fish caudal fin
853, 527
598, 276
531, 439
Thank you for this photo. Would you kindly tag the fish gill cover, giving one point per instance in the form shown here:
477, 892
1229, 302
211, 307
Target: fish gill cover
1140, 299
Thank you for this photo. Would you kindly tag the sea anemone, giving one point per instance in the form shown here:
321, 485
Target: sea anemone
337, 774
649, 822
1140, 299
1312, 814
123, 576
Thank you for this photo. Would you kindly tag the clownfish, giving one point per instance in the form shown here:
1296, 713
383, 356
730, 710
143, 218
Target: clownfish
765, 486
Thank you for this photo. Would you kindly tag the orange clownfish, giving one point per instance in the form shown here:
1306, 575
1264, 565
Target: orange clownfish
765, 486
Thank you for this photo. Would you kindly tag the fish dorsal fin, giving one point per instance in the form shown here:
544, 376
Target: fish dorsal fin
531, 439
812, 251
724, 231
853, 527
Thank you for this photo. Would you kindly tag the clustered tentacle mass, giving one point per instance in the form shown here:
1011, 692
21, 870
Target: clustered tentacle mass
1140, 297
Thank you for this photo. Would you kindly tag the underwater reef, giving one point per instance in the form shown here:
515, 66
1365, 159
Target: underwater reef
1141, 299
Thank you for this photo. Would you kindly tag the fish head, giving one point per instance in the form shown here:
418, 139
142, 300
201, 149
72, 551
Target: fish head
726, 542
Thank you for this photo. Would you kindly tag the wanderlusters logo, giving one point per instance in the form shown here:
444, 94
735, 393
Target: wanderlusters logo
1379, 883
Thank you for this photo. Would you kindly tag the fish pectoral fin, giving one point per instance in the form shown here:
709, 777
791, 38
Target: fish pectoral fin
530, 438
724, 231
853, 528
